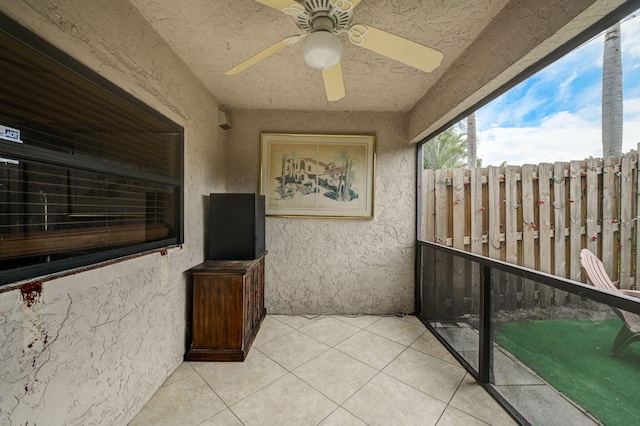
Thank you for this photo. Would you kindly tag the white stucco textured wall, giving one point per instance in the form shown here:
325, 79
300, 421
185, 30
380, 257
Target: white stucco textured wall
336, 266
94, 346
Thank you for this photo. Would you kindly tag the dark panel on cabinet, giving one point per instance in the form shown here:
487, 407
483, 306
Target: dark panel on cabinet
236, 226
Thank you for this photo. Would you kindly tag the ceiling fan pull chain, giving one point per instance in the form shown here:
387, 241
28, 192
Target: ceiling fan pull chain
357, 33
294, 9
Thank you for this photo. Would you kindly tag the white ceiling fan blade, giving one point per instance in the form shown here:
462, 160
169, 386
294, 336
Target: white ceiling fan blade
344, 5
271, 50
290, 7
333, 82
395, 47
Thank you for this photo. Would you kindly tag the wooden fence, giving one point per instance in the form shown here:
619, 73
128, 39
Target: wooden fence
539, 217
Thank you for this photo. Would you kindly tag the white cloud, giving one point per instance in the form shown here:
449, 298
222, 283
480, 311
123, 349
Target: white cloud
564, 120
565, 85
588, 56
573, 130
510, 110
630, 37
563, 137
631, 129
513, 127
631, 108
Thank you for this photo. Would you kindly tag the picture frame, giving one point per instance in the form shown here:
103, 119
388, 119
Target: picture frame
315, 175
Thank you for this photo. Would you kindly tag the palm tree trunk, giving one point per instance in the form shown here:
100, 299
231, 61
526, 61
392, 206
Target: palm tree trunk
472, 142
612, 94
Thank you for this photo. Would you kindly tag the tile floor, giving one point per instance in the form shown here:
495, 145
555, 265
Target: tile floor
328, 370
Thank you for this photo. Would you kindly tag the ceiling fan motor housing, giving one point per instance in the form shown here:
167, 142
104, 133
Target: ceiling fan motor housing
325, 15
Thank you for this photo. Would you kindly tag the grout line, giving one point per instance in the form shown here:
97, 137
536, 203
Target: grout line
377, 370
212, 389
460, 409
298, 366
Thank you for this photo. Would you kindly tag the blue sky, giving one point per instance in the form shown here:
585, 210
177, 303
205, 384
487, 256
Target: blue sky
555, 114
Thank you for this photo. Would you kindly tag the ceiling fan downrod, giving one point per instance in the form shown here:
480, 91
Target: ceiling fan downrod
322, 23
325, 15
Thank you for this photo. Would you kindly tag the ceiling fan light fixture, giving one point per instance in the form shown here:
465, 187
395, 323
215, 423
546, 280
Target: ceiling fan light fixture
322, 50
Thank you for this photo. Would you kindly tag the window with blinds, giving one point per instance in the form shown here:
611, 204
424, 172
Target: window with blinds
87, 172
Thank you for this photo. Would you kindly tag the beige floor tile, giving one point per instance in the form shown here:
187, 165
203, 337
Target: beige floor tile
397, 330
473, 399
233, 381
428, 344
225, 418
186, 402
411, 319
455, 417
292, 377
360, 321
183, 371
371, 349
287, 401
269, 330
386, 401
342, 417
296, 321
201, 366
329, 330
336, 375
293, 349
432, 376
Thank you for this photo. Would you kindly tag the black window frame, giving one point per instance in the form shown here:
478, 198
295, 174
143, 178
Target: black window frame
31, 153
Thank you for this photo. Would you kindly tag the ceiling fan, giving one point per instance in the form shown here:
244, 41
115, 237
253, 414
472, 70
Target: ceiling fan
322, 21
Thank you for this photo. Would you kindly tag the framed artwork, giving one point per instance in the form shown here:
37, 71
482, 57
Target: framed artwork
317, 175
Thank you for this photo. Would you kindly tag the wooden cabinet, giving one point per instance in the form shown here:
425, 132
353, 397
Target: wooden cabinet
228, 308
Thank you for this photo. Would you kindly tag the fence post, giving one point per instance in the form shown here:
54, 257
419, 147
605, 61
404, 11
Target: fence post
626, 218
428, 205
443, 262
594, 195
609, 218
477, 204
529, 231
512, 205
460, 278
544, 212
575, 225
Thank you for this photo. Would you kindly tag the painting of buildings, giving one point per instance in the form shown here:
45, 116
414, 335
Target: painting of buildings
305, 177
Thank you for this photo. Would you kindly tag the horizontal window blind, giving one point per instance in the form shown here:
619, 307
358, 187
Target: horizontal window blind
87, 172
58, 110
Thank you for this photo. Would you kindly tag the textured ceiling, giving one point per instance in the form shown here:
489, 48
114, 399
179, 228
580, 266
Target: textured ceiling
213, 36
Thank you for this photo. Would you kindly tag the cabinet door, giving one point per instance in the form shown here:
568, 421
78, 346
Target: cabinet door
217, 309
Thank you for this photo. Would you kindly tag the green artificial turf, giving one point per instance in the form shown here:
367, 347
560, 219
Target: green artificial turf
573, 356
